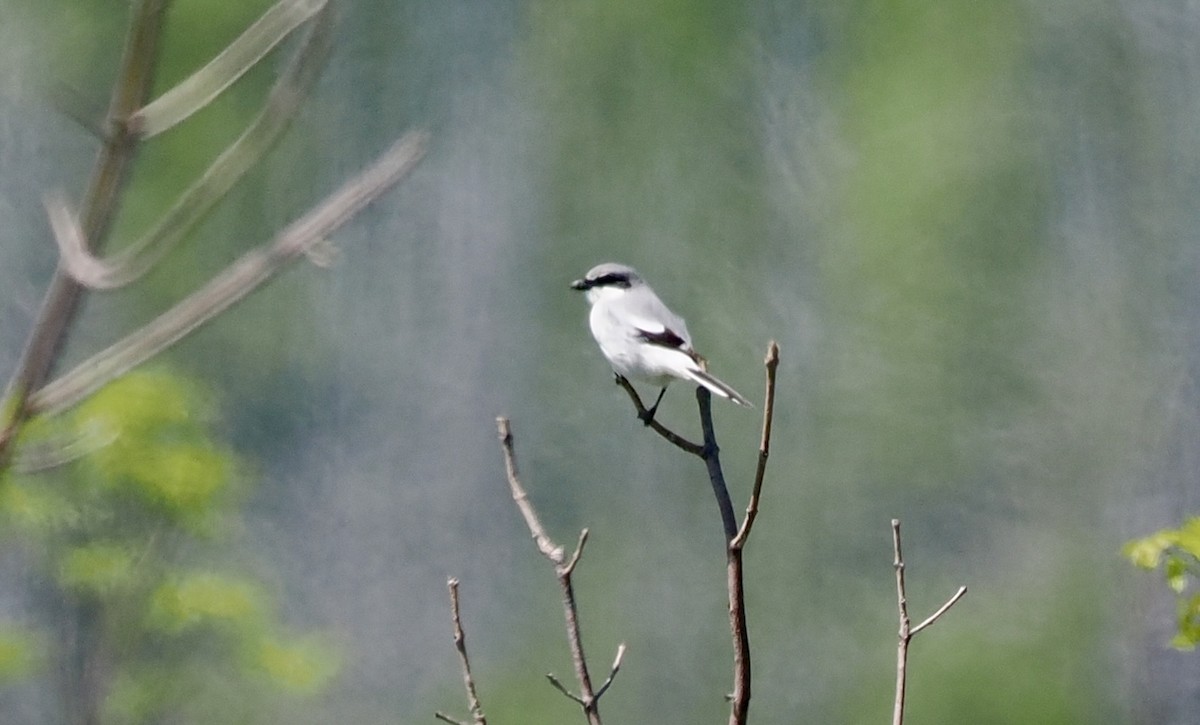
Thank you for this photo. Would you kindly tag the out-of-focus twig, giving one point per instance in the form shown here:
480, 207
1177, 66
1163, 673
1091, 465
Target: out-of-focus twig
907, 631
236, 281
139, 256
460, 644
198, 89
100, 203
588, 698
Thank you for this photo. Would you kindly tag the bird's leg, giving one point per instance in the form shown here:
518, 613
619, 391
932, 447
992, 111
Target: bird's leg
648, 417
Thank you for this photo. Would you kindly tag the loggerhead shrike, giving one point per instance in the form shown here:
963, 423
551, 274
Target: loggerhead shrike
641, 338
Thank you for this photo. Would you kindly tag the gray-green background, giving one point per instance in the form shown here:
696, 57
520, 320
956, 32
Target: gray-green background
970, 226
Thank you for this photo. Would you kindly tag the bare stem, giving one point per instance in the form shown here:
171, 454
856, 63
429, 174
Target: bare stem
907, 631
564, 567
100, 203
764, 447
460, 644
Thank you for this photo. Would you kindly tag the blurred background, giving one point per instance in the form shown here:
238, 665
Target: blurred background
970, 227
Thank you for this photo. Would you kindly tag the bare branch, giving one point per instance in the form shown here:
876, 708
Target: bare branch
545, 544
460, 644
764, 448
558, 685
907, 632
138, 257
235, 282
570, 567
198, 89
100, 203
642, 411
940, 611
588, 699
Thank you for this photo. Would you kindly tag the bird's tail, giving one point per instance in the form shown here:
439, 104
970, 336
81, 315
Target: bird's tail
708, 380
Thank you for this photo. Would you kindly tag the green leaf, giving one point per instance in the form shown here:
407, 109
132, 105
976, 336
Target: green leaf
303, 667
1147, 552
98, 568
204, 598
20, 654
36, 508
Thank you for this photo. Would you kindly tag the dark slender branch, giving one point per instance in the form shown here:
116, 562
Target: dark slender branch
907, 631
710, 452
101, 200
735, 535
642, 411
460, 644
588, 698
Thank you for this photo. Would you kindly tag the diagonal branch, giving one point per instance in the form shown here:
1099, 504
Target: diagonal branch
199, 89
237, 281
643, 413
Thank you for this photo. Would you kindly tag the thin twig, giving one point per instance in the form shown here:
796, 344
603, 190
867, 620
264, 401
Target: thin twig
588, 698
558, 685
612, 671
940, 611
642, 411
764, 447
460, 644
545, 544
199, 89
907, 631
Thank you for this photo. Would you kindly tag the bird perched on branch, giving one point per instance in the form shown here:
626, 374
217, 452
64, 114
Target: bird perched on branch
640, 336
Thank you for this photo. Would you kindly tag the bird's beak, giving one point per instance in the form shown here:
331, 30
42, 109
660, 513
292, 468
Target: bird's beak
580, 284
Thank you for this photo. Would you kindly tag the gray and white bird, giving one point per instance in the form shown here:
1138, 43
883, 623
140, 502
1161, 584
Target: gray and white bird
640, 336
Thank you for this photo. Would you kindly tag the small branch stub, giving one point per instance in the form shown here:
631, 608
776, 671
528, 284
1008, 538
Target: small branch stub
907, 631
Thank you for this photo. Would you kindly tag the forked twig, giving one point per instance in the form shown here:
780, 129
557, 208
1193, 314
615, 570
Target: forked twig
136, 258
588, 698
907, 632
735, 534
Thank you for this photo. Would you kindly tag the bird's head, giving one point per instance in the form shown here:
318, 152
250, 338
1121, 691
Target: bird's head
605, 280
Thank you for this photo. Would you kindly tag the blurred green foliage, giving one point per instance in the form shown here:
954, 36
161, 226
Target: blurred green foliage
1177, 553
133, 541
